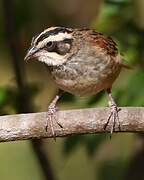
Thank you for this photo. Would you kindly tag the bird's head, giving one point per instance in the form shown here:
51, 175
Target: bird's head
52, 46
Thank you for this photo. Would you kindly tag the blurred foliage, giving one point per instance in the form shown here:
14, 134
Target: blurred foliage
9, 98
67, 97
95, 99
71, 143
91, 142
113, 169
134, 89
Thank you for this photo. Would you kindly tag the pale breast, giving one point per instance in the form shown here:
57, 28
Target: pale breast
87, 77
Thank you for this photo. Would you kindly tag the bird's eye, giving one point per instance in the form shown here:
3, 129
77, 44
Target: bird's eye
50, 45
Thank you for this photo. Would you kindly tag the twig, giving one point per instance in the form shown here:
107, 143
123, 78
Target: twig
32, 125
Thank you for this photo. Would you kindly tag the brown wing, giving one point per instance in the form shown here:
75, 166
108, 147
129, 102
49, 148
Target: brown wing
104, 42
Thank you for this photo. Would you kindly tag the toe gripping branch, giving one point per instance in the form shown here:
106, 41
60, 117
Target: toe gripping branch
113, 116
52, 114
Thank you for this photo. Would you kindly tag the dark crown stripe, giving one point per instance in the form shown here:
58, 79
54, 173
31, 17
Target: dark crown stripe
53, 32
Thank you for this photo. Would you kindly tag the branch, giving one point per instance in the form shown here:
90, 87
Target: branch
92, 120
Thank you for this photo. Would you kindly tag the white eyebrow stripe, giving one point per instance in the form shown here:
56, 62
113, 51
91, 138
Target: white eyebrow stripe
46, 30
58, 37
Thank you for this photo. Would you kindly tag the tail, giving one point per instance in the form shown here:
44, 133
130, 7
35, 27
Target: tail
126, 66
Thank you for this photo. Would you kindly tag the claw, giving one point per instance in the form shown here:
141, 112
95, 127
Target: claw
113, 114
51, 119
52, 115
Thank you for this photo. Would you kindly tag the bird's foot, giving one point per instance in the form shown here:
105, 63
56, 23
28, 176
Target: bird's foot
114, 117
52, 117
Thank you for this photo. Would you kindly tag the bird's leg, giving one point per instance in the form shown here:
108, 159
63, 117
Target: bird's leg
51, 114
114, 112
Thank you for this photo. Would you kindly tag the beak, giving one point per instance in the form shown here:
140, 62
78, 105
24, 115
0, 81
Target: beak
30, 53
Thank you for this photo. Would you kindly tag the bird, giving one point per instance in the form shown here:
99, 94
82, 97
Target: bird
82, 62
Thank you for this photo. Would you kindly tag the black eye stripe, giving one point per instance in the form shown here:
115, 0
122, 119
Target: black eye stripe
54, 48
69, 41
53, 32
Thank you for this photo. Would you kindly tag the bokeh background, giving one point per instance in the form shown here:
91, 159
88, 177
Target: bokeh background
27, 87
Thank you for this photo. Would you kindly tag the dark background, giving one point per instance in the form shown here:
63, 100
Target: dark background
27, 87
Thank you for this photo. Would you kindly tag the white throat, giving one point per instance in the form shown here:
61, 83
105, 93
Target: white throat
51, 58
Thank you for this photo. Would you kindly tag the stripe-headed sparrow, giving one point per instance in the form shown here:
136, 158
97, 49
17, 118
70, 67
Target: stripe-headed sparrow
81, 62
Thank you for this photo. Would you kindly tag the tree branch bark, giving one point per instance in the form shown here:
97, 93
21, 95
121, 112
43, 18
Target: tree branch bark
81, 121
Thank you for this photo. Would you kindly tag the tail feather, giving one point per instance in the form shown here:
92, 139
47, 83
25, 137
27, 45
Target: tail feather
126, 66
